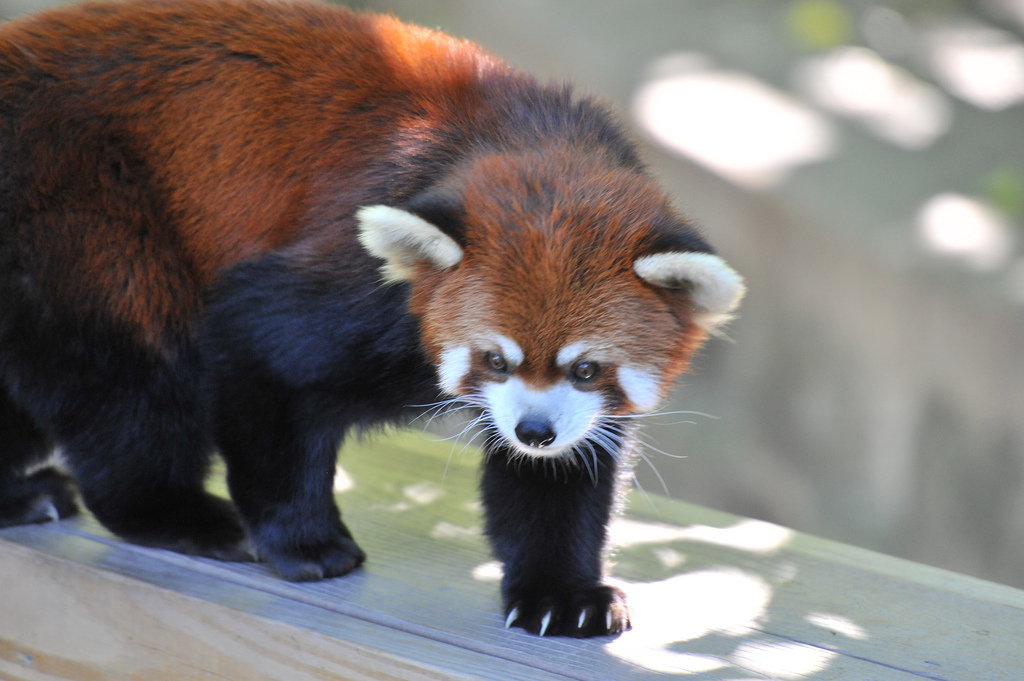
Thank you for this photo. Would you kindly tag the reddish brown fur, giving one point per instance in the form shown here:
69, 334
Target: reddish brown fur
279, 149
564, 278
247, 158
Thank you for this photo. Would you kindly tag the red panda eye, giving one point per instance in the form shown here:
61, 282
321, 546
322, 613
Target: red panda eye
496, 362
585, 371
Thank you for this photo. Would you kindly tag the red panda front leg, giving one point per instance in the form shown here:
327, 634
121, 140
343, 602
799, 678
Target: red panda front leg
296, 355
281, 464
549, 529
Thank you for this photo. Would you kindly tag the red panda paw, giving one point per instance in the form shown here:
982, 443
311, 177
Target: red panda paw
332, 558
579, 613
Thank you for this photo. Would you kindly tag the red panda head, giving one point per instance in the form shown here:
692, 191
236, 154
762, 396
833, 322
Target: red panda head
553, 289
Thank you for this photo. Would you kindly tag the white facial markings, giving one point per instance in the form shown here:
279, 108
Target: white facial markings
567, 412
570, 412
571, 352
510, 350
454, 365
641, 388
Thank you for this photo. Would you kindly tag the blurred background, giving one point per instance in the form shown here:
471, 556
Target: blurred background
861, 162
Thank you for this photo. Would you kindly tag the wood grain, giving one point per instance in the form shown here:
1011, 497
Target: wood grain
78, 622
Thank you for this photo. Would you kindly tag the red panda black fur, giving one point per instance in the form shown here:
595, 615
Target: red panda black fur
249, 227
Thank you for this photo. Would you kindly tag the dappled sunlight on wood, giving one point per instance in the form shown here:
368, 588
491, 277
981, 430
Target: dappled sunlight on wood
755, 536
685, 608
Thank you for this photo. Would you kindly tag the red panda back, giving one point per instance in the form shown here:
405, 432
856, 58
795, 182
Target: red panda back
190, 136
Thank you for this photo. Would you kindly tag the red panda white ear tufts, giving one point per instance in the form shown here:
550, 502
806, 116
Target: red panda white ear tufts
402, 240
715, 287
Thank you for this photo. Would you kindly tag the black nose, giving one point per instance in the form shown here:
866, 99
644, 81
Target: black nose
535, 432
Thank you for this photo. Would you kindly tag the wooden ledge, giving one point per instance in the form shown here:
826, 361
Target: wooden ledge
715, 597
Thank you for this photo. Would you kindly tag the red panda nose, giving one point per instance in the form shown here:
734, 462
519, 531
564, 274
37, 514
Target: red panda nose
535, 432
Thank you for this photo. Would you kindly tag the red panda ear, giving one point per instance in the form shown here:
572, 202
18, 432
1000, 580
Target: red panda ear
443, 208
403, 239
715, 287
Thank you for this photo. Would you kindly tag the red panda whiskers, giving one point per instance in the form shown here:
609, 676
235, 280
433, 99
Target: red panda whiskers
578, 456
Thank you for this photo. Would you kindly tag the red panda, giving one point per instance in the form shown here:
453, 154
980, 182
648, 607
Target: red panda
251, 227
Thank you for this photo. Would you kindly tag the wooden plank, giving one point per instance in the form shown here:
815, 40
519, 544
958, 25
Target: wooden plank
856, 604
715, 597
73, 621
